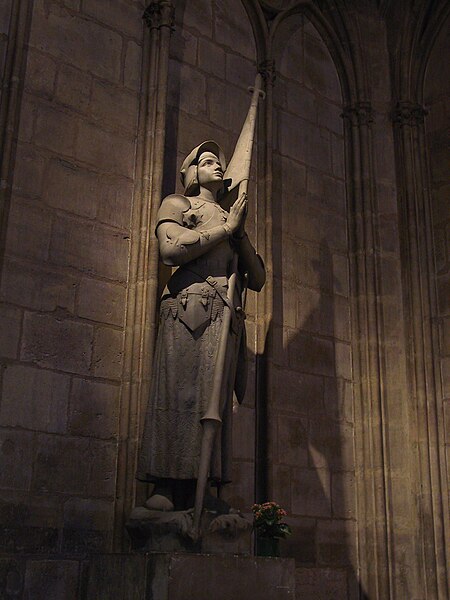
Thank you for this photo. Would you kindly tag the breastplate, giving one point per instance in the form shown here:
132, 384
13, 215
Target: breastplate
204, 215
189, 280
207, 215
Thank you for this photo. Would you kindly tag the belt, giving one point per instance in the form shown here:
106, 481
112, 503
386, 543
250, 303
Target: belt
221, 293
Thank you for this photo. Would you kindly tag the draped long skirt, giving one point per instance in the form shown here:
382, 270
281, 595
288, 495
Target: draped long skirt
184, 366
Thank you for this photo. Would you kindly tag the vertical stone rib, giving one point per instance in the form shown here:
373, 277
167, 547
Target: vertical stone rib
10, 102
431, 485
165, 28
438, 572
264, 234
143, 269
371, 479
264, 300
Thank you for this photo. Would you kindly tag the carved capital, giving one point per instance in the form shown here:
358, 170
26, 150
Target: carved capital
160, 13
267, 70
359, 113
408, 113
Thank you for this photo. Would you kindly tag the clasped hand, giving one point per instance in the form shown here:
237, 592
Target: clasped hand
238, 213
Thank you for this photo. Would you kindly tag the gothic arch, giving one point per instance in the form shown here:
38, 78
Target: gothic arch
259, 27
340, 33
328, 31
380, 552
310, 238
418, 36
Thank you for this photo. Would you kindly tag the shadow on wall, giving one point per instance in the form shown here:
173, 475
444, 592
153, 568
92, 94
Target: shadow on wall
310, 438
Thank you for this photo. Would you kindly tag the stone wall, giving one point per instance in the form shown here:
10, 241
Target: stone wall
346, 433
65, 268
311, 415
64, 276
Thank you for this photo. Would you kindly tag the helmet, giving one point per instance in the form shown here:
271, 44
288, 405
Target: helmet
188, 171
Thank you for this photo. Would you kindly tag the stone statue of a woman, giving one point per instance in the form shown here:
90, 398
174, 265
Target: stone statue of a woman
199, 237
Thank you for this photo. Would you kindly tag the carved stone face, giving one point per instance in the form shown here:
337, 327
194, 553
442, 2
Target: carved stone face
209, 170
188, 170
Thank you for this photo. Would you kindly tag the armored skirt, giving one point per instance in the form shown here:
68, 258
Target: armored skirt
183, 373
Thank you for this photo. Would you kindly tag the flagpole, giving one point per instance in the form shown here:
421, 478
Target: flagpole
239, 173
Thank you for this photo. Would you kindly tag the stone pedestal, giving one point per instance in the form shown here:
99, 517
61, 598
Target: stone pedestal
152, 576
189, 577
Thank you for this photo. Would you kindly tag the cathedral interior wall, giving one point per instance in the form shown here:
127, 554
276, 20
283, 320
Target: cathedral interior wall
65, 271
333, 426
311, 455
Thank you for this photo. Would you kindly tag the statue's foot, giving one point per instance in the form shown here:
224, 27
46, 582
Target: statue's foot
161, 498
159, 502
230, 525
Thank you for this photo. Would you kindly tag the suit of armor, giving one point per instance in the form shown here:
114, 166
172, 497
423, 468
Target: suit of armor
191, 312
199, 237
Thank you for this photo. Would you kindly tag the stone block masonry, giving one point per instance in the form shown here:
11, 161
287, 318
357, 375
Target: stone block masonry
311, 405
148, 576
62, 295
351, 379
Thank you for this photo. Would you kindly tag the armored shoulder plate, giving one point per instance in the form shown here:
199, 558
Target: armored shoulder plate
172, 209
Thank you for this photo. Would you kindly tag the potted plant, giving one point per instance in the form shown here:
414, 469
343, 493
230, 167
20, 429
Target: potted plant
269, 528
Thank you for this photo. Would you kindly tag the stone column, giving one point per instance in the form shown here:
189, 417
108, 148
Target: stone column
143, 280
431, 486
371, 485
384, 421
10, 101
264, 300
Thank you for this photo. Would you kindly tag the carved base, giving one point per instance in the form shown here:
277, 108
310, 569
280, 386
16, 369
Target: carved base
157, 531
147, 576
